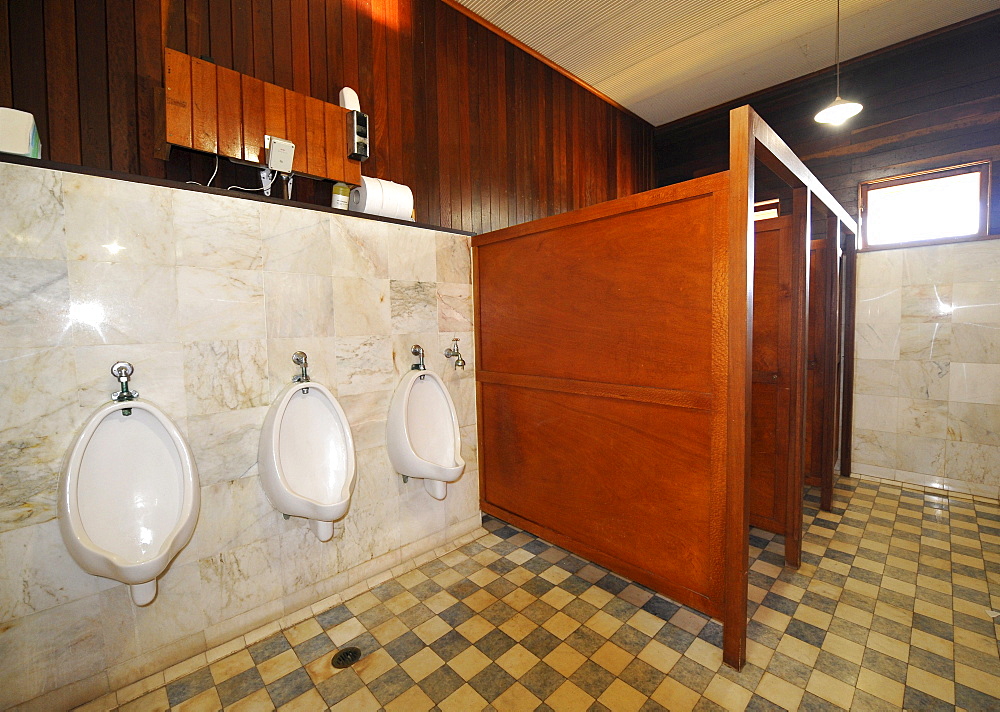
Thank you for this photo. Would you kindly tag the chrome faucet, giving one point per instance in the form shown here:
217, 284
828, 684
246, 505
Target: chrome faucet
453, 351
418, 351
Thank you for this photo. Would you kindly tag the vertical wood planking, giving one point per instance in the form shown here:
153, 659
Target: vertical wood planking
175, 24
150, 98
300, 46
263, 43
122, 78
315, 137
196, 24
295, 128
254, 122
317, 51
336, 150
177, 67
230, 113
281, 14
349, 38
334, 51
242, 24
61, 71
204, 107
92, 54
27, 48
6, 98
220, 32
274, 111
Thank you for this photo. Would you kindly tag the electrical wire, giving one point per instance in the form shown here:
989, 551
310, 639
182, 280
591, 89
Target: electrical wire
209, 184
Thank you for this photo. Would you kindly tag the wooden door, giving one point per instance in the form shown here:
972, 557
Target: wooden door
771, 426
608, 369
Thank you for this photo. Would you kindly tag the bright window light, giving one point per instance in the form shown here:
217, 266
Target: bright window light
931, 208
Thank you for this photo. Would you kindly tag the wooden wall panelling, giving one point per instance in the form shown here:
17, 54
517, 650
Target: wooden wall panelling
315, 113
335, 128
196, 28
263, 34
92, 56
6, 96
60, 69
220, 31
230, 113
275, 121
281, 37
150, 96
295, 128
254, 99
301, 71
318, 51
27, 48
204, 107
122, 80
177, 68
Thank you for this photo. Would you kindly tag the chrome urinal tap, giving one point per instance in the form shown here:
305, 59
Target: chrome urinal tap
453, 351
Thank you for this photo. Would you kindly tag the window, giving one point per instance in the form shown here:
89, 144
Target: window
945, 205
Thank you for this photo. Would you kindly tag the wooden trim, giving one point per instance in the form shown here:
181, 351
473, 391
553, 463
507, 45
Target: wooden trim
983, 168
848, 304
677, 399
832, 365
735, 429
455, 5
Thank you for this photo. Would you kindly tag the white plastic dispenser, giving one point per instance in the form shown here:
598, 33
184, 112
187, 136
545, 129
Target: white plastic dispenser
129, 494
18, 133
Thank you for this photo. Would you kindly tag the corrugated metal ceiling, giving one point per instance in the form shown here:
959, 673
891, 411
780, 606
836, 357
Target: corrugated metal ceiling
666, 59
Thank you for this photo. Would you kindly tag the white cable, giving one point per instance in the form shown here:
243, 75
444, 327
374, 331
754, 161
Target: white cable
266, 186
209, 184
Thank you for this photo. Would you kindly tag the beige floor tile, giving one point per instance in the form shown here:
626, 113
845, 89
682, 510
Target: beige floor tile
622, 696
675, 696
431, 629
231, 666
480, 600
646, 622
889, 646
977, 680
259, 701
691, 622
604, 624
155, 701
660, 656
728, 694
402, 602
515, 699
475, 628
931, 684
104, 703
882, 687
389, 631
440, 601
519, 576
518, 599
308, 701
462, 700
373, 665
176, 672
469, 662
362, 603
207, 701
306, 630
557, 597
422, 664
596, 596
517, 627
278, 666
844, 648
780, 692
561, 625
569, 698
772, 618
830, 689
361, 701
413, 700
798, 650
346, 631
705, 653
564, 659
517, 661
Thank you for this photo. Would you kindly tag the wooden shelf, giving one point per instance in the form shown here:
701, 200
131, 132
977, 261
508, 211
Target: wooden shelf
217, 110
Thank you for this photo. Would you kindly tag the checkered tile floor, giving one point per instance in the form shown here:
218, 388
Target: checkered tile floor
888, 611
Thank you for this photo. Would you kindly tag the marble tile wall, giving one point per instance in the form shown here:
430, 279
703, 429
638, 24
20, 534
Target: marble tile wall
927, 366
208, 296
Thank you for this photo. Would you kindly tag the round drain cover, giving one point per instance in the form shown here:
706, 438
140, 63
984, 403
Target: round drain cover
346, 657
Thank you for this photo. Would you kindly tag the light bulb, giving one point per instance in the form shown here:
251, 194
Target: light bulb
838, 112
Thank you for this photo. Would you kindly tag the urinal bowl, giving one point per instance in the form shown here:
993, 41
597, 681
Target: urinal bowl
422, 432
306, 456
129, 496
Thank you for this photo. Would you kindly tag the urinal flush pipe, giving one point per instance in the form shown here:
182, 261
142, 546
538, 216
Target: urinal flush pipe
418, 351
300, 359
122, 371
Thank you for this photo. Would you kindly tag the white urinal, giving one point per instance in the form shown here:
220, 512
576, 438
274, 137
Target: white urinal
306, 456
129, 495
422, 432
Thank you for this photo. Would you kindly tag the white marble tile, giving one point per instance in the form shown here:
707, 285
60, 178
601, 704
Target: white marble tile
883, 268
454, 258
361, 306
220, 304
360, 247
32, 224
463, 497
305, 559
38, 572
926, 418
158, 375
214, 231
367, 413
420, 515
321, 354
918, 454
926, 303
463, 392
975, 383
976, 261
412, 254
931, 264
37, 390
298, 305
378, 483
975, 343
29, 478
403, 359
177, 611
364, 363
370, 533
976, 302
974, 423
118, 221
926, 341
877, 378
225, 375
875, 412
225, 444
874, 447
878, 305
876, 341
454, 307
883, 473
974, 463
296, 240
924, 379
240, 579
414, 307
122, 303
34, 302
470, 446
50, 649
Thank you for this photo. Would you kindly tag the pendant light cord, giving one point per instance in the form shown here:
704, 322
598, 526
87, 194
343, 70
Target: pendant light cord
838, 49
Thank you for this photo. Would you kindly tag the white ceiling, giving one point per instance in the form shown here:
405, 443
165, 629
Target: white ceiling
666, 59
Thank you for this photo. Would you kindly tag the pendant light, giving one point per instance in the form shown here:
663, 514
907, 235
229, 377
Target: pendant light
840, 110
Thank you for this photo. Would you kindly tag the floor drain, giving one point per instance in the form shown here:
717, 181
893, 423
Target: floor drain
346, 657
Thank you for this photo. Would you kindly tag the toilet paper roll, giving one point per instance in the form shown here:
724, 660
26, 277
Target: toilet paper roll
382, 197
368, 197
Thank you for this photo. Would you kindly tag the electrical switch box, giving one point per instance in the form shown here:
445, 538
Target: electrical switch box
280, 153
358, 137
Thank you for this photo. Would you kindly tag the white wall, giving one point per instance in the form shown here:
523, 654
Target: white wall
208, 296
927, 366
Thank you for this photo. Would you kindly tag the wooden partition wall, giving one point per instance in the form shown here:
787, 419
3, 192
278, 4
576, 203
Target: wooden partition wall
614, 377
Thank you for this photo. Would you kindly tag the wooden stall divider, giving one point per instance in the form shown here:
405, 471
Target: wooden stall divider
221, 111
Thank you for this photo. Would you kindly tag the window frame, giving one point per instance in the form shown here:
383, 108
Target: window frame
980, 167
